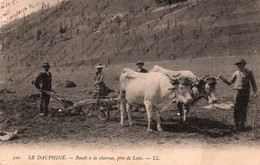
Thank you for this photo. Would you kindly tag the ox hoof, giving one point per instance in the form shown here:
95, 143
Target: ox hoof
160, 130
180, 122
131, 124
150, 130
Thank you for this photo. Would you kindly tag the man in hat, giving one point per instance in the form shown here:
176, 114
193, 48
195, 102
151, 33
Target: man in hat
140, 65
242, 79
99, 85
43, 81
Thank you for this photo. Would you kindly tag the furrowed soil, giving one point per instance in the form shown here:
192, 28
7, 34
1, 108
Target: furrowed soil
205, 127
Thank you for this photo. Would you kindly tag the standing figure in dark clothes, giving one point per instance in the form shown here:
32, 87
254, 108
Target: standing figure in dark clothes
242, 79
43, 81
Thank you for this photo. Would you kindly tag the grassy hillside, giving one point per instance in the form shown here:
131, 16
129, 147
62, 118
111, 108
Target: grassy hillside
78, 32
203, 36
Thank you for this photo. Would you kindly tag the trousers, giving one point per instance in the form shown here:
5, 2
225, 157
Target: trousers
44, 103
241, 99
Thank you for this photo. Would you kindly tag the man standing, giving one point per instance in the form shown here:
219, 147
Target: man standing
43, 81
140, 65
242, 79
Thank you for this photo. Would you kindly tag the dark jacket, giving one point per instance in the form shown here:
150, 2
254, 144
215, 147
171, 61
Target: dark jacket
142, 70
43, 78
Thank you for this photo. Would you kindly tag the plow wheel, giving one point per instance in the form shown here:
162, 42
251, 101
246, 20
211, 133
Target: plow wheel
87, 109
102, 110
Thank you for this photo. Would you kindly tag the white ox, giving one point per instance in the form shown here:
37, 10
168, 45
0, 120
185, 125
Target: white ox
154, 90
201, 88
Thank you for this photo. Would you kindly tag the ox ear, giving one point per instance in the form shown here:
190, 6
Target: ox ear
194, 81
175, 82
170, 78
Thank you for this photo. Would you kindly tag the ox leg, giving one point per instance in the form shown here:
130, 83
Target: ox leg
122, 110
149, 110
186, 109
159, 128
129, 115
180, 109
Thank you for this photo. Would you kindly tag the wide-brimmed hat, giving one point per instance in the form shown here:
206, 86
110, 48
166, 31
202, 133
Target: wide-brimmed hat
46, 65
241, 61
99, 66
139, 62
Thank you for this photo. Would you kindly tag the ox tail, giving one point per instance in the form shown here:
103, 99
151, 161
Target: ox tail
122, 98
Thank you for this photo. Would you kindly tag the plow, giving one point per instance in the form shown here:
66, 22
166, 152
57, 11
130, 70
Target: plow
101, 105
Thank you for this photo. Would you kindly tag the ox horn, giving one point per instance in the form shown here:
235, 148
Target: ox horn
171, 89
173, 80
174, 76
205, 77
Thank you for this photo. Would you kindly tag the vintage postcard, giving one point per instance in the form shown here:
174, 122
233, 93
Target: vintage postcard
129, 82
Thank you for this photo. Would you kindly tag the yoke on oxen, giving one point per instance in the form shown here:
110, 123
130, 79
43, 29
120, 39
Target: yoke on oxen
200, 88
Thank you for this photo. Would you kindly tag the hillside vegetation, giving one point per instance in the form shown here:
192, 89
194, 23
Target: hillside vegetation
79, 32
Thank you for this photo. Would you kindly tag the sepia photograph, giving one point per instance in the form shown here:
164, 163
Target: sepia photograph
129, 82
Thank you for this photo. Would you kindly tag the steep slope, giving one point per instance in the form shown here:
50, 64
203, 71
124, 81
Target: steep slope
79, 32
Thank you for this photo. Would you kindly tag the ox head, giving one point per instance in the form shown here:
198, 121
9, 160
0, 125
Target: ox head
182, 88
206, 88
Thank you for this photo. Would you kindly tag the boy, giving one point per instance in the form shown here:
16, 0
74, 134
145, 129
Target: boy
242, 79
99, 85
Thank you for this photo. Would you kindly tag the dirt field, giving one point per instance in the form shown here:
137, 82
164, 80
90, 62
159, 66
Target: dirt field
206, 127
